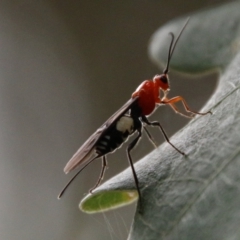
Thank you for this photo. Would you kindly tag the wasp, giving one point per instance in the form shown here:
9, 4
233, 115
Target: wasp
131, 118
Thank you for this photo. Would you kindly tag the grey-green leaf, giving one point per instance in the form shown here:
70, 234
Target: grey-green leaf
210, 40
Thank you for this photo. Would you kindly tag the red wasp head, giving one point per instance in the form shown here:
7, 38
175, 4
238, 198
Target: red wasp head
162, 82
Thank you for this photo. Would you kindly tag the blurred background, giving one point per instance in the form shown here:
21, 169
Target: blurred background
65, 67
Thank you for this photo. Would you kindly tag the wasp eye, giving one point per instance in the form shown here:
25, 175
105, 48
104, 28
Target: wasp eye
164, 79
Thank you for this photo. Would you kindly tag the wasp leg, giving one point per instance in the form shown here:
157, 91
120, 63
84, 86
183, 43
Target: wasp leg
157, 124
104, 165
174, 107
150, 137
129, 148
181, 99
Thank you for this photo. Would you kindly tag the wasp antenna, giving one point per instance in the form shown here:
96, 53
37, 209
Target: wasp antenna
179, 35
169, 54
172, 46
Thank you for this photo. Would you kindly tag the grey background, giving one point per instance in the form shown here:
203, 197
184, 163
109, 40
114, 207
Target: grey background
65, 67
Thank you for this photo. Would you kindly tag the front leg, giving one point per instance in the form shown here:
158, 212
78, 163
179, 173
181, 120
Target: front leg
181, 99
174, 107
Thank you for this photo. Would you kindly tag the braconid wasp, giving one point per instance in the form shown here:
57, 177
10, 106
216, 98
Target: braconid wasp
131, 118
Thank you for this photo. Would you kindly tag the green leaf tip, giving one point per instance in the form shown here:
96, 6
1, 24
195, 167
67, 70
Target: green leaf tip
105, 201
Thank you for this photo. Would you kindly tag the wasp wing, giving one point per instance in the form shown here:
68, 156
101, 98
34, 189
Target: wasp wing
86, 152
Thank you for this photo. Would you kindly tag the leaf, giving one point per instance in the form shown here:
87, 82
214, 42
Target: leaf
210, 40
198, 196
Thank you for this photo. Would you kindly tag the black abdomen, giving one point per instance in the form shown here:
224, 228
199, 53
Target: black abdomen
116, 135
